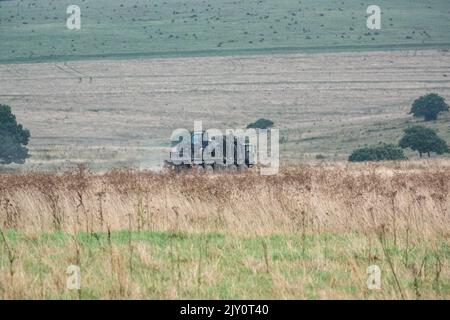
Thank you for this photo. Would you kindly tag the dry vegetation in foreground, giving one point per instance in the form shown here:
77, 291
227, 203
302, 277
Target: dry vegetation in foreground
309, 232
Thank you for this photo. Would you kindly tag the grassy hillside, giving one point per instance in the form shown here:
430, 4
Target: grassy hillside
35, 30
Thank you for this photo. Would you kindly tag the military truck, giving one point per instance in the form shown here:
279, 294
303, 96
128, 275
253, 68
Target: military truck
205, 153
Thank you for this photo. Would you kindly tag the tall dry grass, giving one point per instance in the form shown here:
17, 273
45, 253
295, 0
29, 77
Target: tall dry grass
316, 197
392, 214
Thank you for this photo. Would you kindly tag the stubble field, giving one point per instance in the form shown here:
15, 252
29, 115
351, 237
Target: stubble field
122, 113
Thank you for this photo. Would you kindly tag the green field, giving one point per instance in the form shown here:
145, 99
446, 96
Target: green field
33, 30
159, 265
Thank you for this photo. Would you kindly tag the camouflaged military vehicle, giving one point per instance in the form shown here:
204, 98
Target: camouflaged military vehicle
206, 153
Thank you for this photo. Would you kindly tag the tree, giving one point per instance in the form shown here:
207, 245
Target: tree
377, 153
423, 140
261, 124
429, 107
13, 138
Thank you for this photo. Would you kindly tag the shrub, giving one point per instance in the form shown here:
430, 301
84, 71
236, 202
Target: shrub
377, 153
261, 124
13, 138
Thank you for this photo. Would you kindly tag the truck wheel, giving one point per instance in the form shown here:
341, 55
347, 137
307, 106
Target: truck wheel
242, 168
209, 169
232, 168
200, 169
219, 168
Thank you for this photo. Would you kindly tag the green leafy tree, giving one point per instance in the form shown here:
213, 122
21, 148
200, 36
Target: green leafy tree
423, 140
429, 107
377, 153
13, 138
261, 124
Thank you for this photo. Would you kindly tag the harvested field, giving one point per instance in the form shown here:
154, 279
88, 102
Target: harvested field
123, 112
